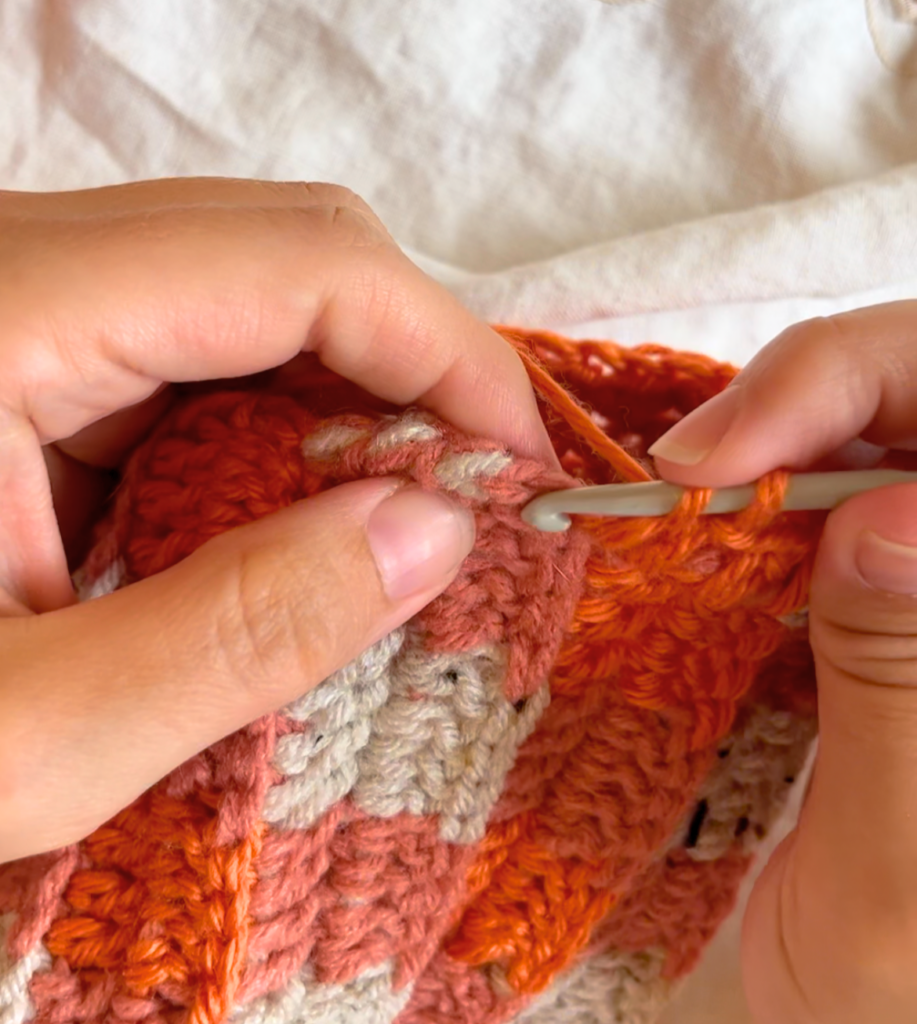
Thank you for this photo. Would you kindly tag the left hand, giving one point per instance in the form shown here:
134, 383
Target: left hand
109, 295
106, 298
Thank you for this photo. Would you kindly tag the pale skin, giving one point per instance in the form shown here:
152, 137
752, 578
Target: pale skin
108, 296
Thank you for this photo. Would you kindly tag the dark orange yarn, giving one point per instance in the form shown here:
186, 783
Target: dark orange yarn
540, 900
167, 907
669, 634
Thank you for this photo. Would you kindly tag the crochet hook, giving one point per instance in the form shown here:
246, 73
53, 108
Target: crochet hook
805, 491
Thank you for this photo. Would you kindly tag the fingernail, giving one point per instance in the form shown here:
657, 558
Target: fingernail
693, 438
886, 564
418, 539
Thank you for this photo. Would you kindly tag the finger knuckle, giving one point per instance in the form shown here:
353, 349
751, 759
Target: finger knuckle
335, 205
263, 631
324, 193
335, 224
813, 343
873, 657
384, 299
353, 228
826, 346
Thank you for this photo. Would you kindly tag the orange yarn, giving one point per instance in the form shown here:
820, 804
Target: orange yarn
164, 905
538, 909
665, 641
177, 901
570, 411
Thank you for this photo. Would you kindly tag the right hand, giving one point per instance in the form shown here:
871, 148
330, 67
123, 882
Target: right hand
830, 934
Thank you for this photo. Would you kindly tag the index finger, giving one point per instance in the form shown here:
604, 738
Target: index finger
819, 385
98, 311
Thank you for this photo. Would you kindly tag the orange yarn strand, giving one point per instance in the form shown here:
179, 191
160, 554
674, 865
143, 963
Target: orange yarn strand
574, 415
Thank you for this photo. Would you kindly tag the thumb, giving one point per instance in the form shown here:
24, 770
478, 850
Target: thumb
831, 930
101, 700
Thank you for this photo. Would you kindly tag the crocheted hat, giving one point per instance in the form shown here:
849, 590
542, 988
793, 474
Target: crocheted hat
533, 803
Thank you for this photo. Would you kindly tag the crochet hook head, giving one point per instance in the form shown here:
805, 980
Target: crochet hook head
805, 491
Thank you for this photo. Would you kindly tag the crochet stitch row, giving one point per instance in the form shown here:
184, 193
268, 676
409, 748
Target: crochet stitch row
533, 803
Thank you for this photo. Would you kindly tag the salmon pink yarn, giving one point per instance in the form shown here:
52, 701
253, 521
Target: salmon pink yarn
533, 803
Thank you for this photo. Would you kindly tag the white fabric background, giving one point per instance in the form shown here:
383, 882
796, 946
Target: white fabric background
557, 162
699, 173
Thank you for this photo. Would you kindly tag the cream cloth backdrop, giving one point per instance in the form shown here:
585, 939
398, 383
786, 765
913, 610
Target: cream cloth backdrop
699, 173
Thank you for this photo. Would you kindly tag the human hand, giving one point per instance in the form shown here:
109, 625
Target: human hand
106, 296
830, 934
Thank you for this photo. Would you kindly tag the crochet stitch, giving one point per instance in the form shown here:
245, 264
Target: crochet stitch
533, 803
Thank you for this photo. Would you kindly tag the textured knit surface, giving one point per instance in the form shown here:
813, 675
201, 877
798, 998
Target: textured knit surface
533, 803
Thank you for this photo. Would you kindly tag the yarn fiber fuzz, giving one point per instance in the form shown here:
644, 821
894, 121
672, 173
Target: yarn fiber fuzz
533, 803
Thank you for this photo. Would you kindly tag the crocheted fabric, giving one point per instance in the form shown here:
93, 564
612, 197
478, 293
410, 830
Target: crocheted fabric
533, 803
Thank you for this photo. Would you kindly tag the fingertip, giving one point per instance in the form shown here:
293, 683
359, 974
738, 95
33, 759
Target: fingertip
870, 544
696, 436
725, 442
722, 443
527, 435
418, 540
535, 442
813, 389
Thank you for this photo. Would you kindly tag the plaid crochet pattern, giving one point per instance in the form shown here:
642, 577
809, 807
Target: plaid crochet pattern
533, 803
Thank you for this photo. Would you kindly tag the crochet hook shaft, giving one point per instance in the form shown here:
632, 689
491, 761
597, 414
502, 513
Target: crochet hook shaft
805, 491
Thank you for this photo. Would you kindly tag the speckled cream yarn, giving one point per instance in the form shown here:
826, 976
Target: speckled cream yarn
533, 803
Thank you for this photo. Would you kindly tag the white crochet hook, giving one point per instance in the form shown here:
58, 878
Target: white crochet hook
805, 491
